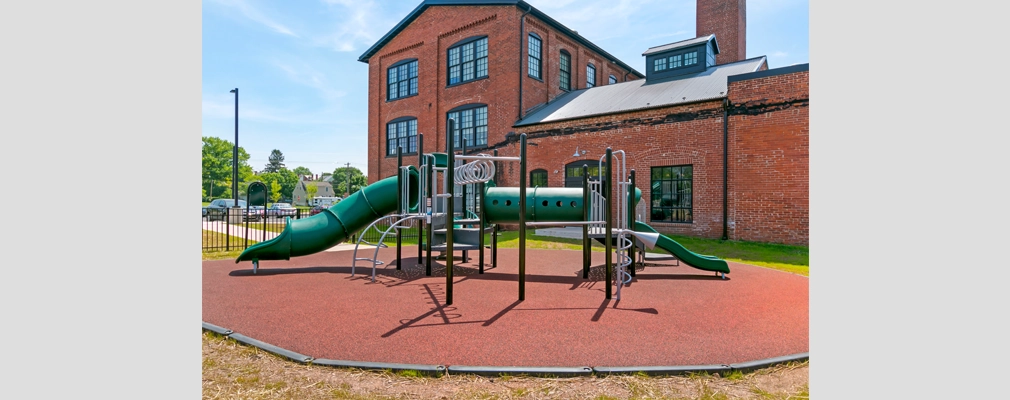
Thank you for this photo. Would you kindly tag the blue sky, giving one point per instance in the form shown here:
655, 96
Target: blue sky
303, 92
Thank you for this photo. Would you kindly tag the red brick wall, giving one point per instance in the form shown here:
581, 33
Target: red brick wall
428, 39
769, 136
680, 135
727, 19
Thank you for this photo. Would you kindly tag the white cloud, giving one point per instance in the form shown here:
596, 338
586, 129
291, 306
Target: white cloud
355, 24
255, 15
306, 75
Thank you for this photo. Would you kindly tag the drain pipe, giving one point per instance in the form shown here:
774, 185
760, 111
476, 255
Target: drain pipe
725, 168
522, 32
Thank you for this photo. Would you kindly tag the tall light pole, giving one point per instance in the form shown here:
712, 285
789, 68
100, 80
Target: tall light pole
234, 158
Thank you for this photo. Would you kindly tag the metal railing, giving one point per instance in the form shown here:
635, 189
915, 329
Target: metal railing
219, 235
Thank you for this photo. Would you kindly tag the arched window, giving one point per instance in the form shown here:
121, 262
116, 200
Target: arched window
590, 75
471, 124
534, 65
613, 79
468, 60
401, 132
566, 71
573, 172
538, 178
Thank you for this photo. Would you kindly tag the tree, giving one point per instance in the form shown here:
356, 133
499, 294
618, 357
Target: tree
302, 171
217, 167
276, 162
358, 180
275, 191
284, 178
311, 188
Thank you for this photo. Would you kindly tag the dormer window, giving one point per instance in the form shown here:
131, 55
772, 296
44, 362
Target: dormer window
681, 58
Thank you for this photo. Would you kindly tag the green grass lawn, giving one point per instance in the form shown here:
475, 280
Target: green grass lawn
794, 259
218, 239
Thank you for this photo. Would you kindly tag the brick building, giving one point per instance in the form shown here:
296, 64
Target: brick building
719, 142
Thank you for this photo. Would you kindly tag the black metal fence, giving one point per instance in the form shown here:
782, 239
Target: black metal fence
255, 226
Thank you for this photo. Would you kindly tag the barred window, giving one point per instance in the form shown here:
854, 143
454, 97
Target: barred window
468, 60
671, 194
401, 79
471, 124
533, 64
401, 132
566, 71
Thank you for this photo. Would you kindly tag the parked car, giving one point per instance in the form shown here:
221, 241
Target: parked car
317, 209
255, 213
281, 210
218, 208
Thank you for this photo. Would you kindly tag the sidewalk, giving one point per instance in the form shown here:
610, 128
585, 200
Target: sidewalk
262, 236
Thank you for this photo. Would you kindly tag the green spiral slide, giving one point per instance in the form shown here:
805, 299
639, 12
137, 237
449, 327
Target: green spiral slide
335, 224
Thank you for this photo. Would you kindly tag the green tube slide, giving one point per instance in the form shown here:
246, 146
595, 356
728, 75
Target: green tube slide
501, 204
324, 230
699, 261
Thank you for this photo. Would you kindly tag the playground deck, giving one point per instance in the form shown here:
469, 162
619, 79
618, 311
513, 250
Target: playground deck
668, 315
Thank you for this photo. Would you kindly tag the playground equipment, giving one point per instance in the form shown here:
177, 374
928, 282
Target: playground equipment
411, 197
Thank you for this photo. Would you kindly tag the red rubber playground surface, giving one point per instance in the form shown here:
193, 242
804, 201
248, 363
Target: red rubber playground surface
667, 316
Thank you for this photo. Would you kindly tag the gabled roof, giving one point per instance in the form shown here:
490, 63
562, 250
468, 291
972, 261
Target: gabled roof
518, 3
682, 44
638, 94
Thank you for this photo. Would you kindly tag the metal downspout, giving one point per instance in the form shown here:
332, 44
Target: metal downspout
522, 32
725, 169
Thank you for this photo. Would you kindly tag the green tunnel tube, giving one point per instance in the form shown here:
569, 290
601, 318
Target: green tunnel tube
334, 225
501, 204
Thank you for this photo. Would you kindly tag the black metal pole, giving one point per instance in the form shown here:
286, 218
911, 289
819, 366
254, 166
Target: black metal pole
608, 189
428, 227
451, 124
399, 203
631, 220
420, 201
234, 162
494, 229
522, 217
586, 245
480, 228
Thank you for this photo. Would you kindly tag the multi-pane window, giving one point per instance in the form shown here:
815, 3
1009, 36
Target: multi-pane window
590, 75
613, 79
401, 79
566, 71
676, 61
538, 178
671, 193
659, 64
401, 132
471, 123
468, 61
690, 58
533, 65
573, 172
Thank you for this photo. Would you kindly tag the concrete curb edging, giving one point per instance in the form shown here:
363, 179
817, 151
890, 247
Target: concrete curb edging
531, 371
217, 329
271, 348
721, 369
758, 364
438, 370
